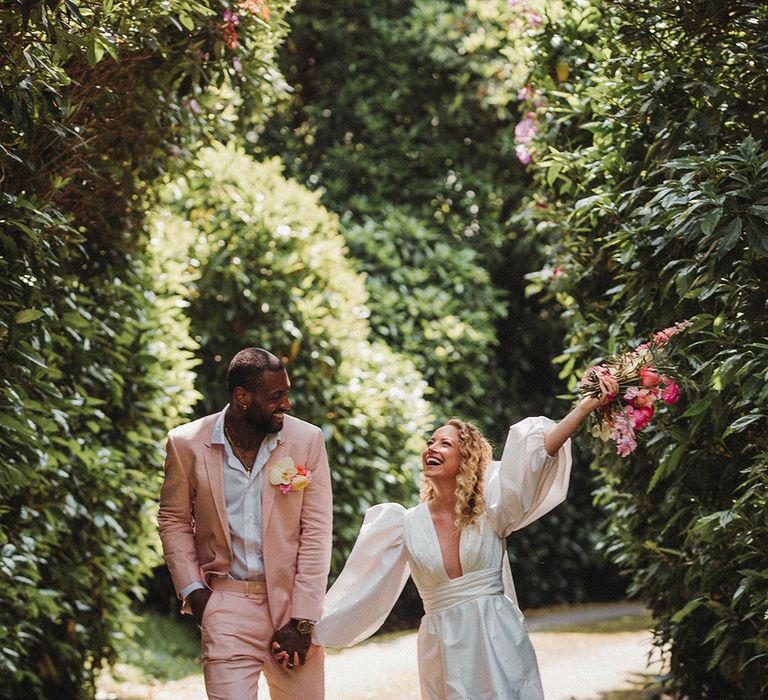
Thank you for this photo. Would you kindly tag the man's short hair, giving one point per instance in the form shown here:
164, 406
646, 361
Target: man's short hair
248, 365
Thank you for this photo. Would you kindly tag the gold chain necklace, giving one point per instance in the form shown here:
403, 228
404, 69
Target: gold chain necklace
237, 451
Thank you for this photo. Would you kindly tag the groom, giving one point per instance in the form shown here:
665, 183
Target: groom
245, 522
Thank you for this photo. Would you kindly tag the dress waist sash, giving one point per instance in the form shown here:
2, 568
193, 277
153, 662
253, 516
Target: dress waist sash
459, 590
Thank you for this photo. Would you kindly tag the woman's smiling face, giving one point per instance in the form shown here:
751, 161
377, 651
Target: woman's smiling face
441, 458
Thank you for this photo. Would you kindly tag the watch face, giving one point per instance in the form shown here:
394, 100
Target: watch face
303, 626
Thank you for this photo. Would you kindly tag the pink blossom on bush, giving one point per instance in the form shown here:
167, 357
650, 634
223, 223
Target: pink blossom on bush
192, 105
523, 154
526, 129
230, 36
526, 92
535, 20
256, 7
231, 17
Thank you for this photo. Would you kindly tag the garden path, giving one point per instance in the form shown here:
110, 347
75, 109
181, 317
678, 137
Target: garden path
574, 665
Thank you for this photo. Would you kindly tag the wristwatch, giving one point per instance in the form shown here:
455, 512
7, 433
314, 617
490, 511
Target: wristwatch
304, 626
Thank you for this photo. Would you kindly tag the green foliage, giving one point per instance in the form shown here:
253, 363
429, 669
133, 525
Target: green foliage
95, 356
270, 270
403, 118
162, 647
653, 178
429, 299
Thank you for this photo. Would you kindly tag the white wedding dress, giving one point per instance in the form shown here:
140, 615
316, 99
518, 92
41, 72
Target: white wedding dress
473, 643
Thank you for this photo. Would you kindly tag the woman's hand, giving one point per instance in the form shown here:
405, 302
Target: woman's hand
609, 389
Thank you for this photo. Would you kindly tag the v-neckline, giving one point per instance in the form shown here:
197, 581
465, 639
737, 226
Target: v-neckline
439, 548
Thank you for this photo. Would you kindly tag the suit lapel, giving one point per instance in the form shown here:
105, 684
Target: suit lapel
213, 457
269, 491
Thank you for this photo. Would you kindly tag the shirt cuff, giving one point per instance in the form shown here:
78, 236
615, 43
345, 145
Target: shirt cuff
195, 585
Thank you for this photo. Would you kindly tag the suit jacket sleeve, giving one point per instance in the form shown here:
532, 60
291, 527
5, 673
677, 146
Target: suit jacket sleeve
314, 555
176, 519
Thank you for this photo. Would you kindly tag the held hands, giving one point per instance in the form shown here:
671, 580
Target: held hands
291, 647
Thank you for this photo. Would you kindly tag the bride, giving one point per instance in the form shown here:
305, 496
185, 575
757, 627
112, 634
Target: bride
473, 642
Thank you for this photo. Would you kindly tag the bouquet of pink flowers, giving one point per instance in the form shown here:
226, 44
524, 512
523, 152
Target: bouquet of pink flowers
643, 380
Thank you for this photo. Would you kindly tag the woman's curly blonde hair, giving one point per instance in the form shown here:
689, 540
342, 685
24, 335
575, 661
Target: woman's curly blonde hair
474, 454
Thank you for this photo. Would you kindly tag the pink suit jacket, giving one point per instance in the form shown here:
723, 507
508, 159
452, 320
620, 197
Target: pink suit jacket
296, 526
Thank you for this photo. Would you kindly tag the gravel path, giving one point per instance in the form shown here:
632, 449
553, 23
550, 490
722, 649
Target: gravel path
574, 666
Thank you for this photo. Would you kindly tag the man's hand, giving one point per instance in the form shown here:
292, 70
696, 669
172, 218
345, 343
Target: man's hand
289, 646
197, 600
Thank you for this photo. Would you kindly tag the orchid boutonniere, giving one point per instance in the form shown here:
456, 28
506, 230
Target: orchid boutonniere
288, 476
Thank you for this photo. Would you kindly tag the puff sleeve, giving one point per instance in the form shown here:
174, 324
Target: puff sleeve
369, 585
527, 482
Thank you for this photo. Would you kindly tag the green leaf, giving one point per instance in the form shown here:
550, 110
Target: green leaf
757, 235
666, 467
95, 51
110, 48
730, 237
686, 610
710, 221
552, 172
187, 21
698, 407
743, 422
28, 315
32, 357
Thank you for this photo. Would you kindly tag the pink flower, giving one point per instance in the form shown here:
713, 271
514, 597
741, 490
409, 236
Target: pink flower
256, 7
230, 36
192, 105
642, 416
642, 382
523, 154
231, 17
670, 393
638, 397
526, 93
649, 377
663, 336
526, 129
534, 19
644, 398
623, 433
625, 445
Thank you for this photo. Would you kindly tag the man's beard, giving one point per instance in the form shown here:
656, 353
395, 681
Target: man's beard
264, 425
